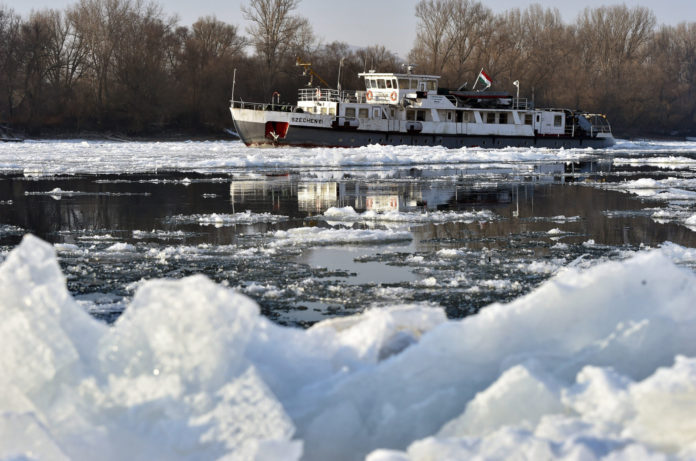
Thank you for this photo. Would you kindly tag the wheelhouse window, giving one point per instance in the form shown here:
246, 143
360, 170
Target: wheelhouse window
410, 114
368, 83
490, 117
420, 115
431, 85
381, 84
557, 121
528, 119
389, 83
503, 117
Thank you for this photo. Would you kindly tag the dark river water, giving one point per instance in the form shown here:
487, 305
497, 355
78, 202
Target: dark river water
515, 226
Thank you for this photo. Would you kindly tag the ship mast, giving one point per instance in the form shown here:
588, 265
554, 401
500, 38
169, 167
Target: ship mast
308, 70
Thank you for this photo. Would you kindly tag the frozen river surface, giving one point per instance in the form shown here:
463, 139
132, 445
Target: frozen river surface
374, 248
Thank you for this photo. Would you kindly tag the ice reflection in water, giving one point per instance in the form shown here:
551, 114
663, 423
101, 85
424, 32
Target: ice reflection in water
491, 232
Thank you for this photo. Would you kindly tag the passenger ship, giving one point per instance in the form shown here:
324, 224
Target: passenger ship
410, 109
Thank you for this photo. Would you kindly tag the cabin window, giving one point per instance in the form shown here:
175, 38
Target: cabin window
404, 83
377, 113
449, 116
460, 116
389, 83
350, 112
362, 113
528, 119
430, 85
381, 83
368, 83
410, 114
394, 84
503, 117
420, 115
557, 120
392, 112
490, 117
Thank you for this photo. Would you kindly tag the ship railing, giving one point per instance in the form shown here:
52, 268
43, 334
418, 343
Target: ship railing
323, 94
521, 103
599, 123
263, 106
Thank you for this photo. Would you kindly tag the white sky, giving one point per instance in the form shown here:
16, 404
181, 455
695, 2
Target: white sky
370, 22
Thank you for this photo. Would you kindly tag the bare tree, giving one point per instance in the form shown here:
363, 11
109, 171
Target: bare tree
10, 40
275, 32
433, 43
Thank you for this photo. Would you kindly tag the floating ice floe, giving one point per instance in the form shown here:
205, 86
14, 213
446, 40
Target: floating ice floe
348, 214
320, 236
161, 234
48, 158
559, 219
223, 219
670, 162
121, 247
593, 364
8, 229
58, 193
679, 193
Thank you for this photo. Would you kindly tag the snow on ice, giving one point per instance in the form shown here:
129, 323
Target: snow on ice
226, 219
321, 236
593, 364
42, 158
348, 214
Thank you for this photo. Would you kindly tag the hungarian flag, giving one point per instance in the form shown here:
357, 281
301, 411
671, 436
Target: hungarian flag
484, 79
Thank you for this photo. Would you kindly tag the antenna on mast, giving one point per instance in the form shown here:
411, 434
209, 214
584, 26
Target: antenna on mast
308, 70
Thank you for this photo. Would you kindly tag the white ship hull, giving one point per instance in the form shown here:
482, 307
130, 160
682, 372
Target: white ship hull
408, 109
253, 128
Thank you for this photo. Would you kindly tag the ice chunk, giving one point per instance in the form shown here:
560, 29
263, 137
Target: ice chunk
169, 380
519, 397
120, 247
320, 236
593, 364
350, 215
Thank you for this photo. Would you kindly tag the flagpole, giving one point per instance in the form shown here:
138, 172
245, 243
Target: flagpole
477, 79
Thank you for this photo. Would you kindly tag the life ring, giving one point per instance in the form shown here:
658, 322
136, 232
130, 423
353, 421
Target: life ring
393, 96
368, 96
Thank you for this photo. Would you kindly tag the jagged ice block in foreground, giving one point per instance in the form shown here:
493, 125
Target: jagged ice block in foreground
593, 364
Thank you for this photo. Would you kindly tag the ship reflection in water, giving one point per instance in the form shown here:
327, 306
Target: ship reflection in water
411, 190
475, 234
